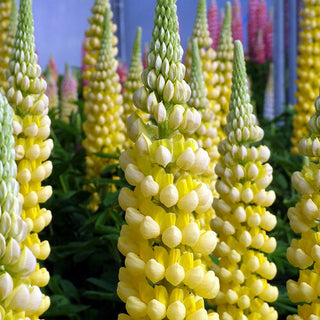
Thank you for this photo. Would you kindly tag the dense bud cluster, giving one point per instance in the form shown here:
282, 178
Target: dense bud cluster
92, 42
5, 9
242, 220
304, 253
6, 44
308, 70
103, 127
214, 23
31, 129
69, 95
52, 91
167, 237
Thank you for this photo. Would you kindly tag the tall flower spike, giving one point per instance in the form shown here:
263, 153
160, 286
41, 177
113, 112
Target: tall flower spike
5, 9
17, 261
268, 104
252, 25
31, 129
237, 23
133, 81
54, 69
7, 44
308, 70
166, 239
104, 129
304, 252
93, 34
269, 36
52, 90
69, 95
214, 23
242, 220
224, 70
260, 49
207, 134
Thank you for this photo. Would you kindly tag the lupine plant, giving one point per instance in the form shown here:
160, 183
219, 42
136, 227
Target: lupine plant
214, 23
166, 238
92, 45
268, 106
304, 252
31, 129
133, 81
308, 70
7, 44
207, 134
252, 25
242, 219
54, 69
52, 90
69, 94
104, 129
260, 49
237, 23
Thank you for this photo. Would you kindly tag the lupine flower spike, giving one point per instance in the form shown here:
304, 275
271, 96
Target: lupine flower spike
133, 81
7, 44
19, 298
164, 241
268, 36
54, 69
84, 67
144, 58
224, 70
304, 253
207, 134
260, 49
52, 91
242, 219
93, 34
5, 9
252, 25
104, 129
237, 23
268, 104
122, 72
31, 129
69, 95
214, 23
308, 70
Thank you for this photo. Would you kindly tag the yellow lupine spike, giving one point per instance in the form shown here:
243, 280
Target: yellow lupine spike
243, 268
304, 252
31, 129
167, 240
307, 71
6, 43
93, 40
103, 127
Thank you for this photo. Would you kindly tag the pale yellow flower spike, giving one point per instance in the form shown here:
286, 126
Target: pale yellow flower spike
242, 219
93, 35
308, 70
31, 129
304, 253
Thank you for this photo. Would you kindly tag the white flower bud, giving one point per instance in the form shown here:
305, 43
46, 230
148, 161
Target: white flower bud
34, 301
163, 156
133, 174
186, 159
175, 274
189, 202
176, 311
149, 228
206, 243
142, 144
149, 187
133, 217
202, 161
127, 199
190, 234
209, 286
194, 276
245, 238
160, 113
247, 195
169, 195
6, 285
136, 308
155, 271
156, 310
134, 264
176, 116
168, 91
25, 265
19, 298
172, 236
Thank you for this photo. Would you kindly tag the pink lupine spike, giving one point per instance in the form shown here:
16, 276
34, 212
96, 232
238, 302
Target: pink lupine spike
252, 25
214, 23
260, 50
122, 71
262, 15
53, 67
268, 36
237, 24
145, 52
84, 67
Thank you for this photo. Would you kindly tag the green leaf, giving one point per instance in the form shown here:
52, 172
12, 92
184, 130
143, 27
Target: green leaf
110, 198
106, 155
98, 295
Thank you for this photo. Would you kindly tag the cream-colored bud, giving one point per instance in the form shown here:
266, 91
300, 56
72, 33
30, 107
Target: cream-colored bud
201, 163
171, 236
136, 308
33, 152
176, 311
300, 184
247, 195
268, 221
175, 274
44, 194
270, 293
190, 234
133, 174
206, 243
34, 301
163, 156
188, 202
142, 144
156, 310
24, 176
25, 265
160, 113
194, 276
125, 159
149, 187
6, 285
19, 151
240, 214
149, 228
245, 238
169, 195
209, 286
127, 199
200, 314
134, 264
168, 91
186, 159
176, 116
19, 298
12, 253
133, 217
17, 127
124, 291
155, 271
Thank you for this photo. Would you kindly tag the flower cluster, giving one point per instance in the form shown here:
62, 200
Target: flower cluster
92, 42
242, 220
69, 95
214, 23
308, 70
166, 239
31, 129
5, 9
304, 253
104, 129
6, 43
52, 90
237, 23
